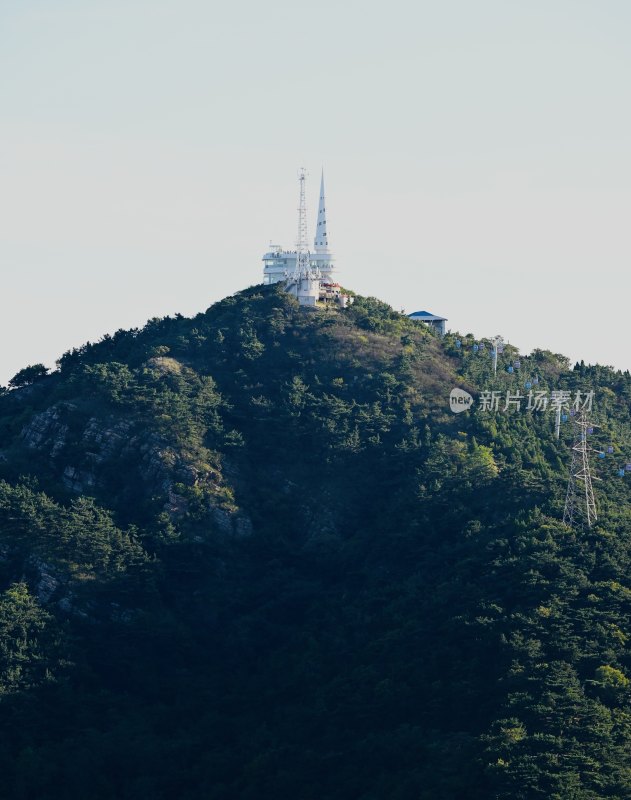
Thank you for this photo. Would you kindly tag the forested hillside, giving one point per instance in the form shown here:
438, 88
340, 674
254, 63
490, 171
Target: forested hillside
254, 555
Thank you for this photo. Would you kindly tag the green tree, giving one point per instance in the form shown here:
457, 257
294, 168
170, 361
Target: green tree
27, 641
28, 375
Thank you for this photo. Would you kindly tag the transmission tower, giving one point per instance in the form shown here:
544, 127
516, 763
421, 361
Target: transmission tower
303, 258
498, 347
580, 504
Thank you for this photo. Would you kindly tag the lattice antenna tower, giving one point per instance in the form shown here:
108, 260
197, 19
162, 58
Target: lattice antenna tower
303, 257
580, 503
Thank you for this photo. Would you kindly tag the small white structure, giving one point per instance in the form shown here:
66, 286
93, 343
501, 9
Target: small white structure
306, 290
279, 263
438, 323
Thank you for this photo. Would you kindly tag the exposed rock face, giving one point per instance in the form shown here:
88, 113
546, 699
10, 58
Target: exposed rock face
232, 523
46, 588
176, 505
158, 461
67, 605
82, 454
47, 582
77, 480
48, 430
104, 442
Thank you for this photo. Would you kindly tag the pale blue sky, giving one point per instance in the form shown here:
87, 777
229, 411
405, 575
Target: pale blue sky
477, 159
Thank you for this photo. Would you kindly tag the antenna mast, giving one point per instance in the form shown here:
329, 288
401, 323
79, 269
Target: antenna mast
580, 499
303, 261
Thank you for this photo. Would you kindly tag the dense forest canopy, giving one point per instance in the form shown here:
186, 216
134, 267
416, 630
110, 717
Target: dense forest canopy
253, 554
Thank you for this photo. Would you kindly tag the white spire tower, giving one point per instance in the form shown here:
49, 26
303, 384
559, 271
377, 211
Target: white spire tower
279, 264
321, 240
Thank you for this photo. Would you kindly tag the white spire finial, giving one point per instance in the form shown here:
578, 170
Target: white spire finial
321, 240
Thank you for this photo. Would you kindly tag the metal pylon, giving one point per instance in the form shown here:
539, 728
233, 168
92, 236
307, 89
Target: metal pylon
303, 257
580, 503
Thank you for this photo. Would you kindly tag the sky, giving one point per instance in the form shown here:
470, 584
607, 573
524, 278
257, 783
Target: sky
476, 157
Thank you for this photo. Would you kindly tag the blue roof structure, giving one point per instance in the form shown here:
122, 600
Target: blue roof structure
427, 316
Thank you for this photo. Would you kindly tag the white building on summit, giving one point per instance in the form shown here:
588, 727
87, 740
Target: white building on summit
278, 264
434, 321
